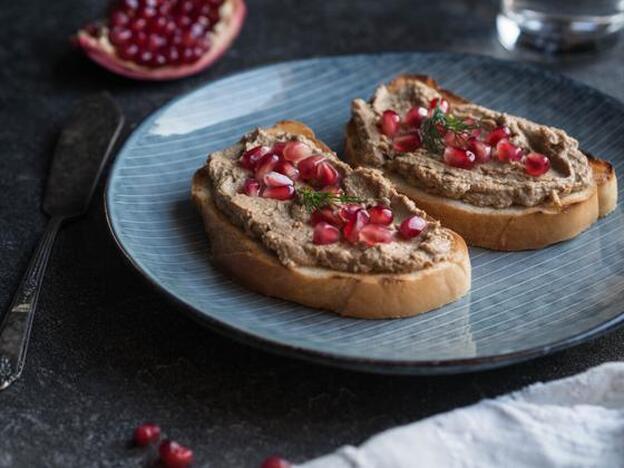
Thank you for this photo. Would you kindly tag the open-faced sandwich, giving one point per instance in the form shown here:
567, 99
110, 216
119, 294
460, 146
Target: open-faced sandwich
502, 182
288, 219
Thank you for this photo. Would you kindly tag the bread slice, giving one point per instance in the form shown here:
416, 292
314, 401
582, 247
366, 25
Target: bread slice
371, 296
507, 229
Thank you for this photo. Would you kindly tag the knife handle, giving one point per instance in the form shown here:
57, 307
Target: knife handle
15, 328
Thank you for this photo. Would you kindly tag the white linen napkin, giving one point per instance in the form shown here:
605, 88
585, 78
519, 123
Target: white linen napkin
573, 422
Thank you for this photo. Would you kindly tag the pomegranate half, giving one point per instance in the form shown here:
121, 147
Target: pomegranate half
162, 39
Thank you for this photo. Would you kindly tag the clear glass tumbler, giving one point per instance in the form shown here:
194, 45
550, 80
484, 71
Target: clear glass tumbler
559, 26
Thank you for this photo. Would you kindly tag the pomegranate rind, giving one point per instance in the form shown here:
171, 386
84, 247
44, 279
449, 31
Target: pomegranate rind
102, 52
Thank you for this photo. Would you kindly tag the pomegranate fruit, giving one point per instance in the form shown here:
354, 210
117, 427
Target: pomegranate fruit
325, 233
536, 164
372, 234
389, 123
174, 455
412, 226
146, 434
162, 39
380, 215
457, 157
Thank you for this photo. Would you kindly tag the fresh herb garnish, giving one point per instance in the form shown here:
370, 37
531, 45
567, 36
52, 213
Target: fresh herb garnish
313, 200
434, 128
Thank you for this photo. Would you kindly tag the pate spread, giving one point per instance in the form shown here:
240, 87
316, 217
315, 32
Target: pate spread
282, 226
491, 184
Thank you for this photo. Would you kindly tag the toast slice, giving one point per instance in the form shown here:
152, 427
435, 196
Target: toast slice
250, 259
512, 227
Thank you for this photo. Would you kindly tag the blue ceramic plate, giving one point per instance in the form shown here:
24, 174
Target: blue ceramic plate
522, 304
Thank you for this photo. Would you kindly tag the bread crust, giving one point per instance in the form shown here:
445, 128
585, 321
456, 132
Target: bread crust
513, 228
370, 296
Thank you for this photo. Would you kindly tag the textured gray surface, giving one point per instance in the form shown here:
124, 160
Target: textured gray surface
108, 352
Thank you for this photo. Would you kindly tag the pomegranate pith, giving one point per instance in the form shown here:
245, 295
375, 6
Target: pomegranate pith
325, 233
146, 434
412, 226
536, 164
174, 455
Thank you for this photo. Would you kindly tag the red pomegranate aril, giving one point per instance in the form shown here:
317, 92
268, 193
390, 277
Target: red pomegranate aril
250, 158
372, 234
326, 214
536, 164
507, 151
146, 434
278, 148
481, 150
174, 455
458, 157
458, 140
415, 116
497, 135
307, 167
352, 229
286, 168
440, 103
389, 123
407, 143
275, 179
412, 227
265, 165
380, 215
347, 212
251, 187
285, 192
326, 174
325, 233
275, 462
296, 151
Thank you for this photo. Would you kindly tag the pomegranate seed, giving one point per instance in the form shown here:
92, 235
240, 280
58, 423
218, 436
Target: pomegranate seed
372, 234
326, 174
174, 455
389, 123
275, 179
440, 103
307, 167
536, 164
275, 462
251, 187
481, 150
412, 226
296, 151
407, 143
457, 157
250, 158
506, 151
381, 215
458, 140
347, 212
352, 229
278, 148
286, 168
146, 434
327, 215
325, 233
415, 116
266, 164
285, 192
497, 135
476, 133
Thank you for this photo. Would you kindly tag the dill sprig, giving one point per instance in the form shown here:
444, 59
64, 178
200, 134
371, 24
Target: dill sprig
432, 137
313, 200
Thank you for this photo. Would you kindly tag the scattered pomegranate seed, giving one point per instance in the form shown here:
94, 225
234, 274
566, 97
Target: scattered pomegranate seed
275, 462
174, 455
497, 135
507, 151
381, 215
347, 212
439, 102
326, 214
326, 174
250, 158
286, 168
415, 116
251, 187
307, 167
266, 164
481, 150
458, 140
389, 123
372, 234
536, 164
146, 434
412, 226
457, 157
407, 143
279, 147
296, 151
352, 229
285, 192
325, 233
275, 179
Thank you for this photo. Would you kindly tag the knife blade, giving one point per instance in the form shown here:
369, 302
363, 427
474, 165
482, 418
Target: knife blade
81, 153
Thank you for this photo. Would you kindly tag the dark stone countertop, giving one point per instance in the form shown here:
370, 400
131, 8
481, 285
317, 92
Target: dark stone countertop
108, 352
